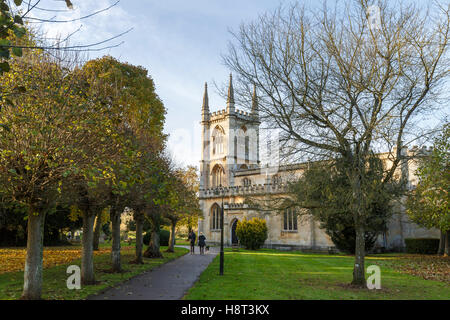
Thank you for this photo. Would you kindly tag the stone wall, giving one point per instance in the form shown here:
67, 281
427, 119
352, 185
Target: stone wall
308, 235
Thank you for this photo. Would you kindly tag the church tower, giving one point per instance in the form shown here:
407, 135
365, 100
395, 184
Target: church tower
230, 141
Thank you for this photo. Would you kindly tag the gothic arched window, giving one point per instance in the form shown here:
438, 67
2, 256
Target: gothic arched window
247, 182
290, 219
276, 180
218, 176
241, 145
218, 140
215, 217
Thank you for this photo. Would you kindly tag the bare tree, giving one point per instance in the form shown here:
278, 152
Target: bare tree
19, 17
345, 83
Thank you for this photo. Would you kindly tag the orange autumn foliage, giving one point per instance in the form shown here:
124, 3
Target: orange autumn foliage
13, 259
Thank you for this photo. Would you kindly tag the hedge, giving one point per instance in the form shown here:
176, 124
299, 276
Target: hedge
422, 245
252, 233
164, 236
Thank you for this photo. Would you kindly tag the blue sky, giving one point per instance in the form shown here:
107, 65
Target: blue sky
180, 42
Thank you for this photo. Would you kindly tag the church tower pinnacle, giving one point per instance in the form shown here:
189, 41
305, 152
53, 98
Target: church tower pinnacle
254, 103
230, 97
205, 105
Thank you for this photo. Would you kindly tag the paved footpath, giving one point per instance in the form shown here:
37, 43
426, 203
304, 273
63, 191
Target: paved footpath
169, 281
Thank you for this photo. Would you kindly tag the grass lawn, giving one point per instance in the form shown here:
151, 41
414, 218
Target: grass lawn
56, 260
272, 274
182, 242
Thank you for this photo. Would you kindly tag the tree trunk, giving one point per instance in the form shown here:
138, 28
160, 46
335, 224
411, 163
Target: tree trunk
359, 278
189, 225
358, 270
97, 230
72, 234
171, 247
115, 250
441, 244
447, 244
87, 257
153, 247
32, 286
139, 239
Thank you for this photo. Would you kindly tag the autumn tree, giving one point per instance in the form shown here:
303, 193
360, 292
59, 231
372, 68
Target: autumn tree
158, 191
100, 220
427, 205
145, 190
144, 197
12, 28
87, 189
345, 82
87, 195
139, 217
42, 146
184, 203
135, 112
192, 180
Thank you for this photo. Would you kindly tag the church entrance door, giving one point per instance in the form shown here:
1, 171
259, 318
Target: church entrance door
234, 238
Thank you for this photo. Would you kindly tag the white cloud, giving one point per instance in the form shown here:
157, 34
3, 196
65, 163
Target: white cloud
93, 29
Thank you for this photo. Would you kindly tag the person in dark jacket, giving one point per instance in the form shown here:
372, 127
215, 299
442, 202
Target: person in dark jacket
202, 243
192, 238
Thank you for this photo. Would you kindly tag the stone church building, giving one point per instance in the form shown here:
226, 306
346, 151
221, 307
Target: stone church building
230, 170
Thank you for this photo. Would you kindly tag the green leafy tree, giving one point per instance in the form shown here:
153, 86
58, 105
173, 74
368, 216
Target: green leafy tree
325, 189
13, 225
427, 205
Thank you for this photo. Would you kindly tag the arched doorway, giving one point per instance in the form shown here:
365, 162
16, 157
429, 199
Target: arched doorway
234, 238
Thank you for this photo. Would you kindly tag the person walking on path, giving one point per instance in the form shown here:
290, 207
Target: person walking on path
192, 237
201, 243
170, 281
